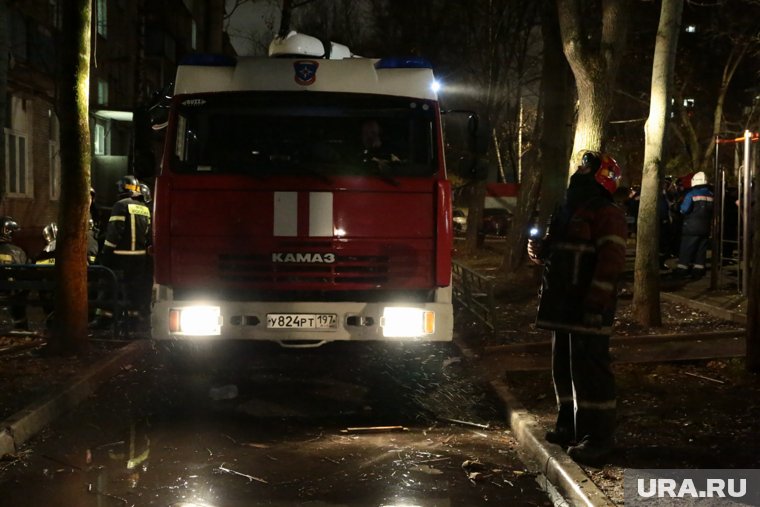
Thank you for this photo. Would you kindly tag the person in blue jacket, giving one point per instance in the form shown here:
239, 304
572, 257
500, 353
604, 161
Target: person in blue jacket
697, 211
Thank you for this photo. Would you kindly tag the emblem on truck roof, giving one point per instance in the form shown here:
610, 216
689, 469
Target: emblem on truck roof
306, 71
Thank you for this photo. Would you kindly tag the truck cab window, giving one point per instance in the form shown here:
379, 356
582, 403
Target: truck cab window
287, 134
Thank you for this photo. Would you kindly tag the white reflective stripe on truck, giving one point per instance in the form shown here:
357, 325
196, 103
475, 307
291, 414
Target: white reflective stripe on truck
285, 214
321, 214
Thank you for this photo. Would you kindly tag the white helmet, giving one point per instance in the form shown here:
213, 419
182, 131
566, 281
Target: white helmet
699, 179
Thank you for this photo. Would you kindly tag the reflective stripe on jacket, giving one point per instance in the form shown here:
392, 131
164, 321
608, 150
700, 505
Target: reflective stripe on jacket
697, 209
128, 228
585, 260
12, 254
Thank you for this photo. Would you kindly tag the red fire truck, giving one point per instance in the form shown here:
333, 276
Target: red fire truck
303, 199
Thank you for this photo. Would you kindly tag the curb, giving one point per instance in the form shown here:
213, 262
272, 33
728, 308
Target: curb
24, 424
563, 473
710, 309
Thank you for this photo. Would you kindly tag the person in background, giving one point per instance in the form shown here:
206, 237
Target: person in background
632, 209
663, 216
583, 253
47, 257
124, 250
676, 193
375, 149
13, 254
145, 284
145, 194
697, 211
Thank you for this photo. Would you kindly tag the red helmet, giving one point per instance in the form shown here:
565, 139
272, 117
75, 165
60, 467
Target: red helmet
609, 173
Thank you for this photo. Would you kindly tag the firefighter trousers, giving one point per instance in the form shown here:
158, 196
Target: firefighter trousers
134, 275
584, 385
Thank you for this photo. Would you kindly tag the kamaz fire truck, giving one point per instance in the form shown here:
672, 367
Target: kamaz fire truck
275, 218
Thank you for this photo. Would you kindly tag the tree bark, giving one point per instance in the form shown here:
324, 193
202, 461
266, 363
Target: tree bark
547, 184
646, 291
593, 44
69, 333
753, 293
4, 52
558, 100
477, 200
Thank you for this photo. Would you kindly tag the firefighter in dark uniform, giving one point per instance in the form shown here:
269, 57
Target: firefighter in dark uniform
583, 253
47, 257
13, 254
124, 250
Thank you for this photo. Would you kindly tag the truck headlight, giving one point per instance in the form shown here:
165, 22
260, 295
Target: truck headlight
196, 320
402, 322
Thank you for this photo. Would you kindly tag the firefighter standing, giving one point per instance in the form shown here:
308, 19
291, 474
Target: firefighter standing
124, 249
583, 254
697, 211
13, 254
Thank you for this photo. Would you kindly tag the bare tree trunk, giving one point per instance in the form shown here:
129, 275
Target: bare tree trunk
753, 291
646, 291
4, 51
547, 182
734, 59
593, 51
558, 99
70, 324
285, 16
517, 237
475, 216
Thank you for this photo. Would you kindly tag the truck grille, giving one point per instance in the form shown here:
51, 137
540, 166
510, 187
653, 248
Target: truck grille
347, 269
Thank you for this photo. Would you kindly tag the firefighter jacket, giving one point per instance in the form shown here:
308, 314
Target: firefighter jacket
584, 256
12, 254
47, 256
128, 231
697, 211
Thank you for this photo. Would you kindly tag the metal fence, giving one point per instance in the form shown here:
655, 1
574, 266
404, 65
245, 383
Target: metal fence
474, 292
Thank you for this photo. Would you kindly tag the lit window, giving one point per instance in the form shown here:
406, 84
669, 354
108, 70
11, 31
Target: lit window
55, 16
17, 177
691, 29
54, 157
688, 103
102, 92
55, 170
18, 182
101, 138
102, 18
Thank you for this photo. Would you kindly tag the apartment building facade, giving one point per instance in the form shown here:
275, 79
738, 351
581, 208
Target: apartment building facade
135, 45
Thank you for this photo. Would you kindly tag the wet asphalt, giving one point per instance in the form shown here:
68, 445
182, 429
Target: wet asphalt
255, 424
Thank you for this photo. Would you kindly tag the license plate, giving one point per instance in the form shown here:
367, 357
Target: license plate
302, 321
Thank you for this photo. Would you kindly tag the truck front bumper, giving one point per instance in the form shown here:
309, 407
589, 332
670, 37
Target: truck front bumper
310, 321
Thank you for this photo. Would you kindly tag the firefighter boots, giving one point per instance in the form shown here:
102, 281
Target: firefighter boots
589, 452
560, 436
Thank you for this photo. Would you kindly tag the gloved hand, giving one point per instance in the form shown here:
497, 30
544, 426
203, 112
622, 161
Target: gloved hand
592, 319
535, 246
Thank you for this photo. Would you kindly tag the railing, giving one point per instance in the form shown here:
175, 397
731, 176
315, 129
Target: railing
474, 292
35, 285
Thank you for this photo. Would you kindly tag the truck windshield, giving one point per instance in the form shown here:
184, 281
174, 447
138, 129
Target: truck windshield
327, 134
